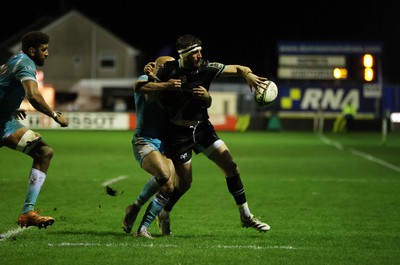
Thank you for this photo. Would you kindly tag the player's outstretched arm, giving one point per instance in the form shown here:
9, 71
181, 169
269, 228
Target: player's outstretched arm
37, 101
235, 70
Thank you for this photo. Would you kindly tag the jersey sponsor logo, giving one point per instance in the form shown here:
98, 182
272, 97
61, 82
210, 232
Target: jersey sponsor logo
216, 65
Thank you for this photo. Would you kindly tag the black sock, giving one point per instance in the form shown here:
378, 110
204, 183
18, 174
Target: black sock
235, 187
175, 196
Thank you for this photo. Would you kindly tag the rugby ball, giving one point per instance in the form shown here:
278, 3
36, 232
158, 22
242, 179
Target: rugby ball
266, 93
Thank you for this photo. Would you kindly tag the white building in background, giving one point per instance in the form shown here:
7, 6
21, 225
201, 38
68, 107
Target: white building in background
81, 49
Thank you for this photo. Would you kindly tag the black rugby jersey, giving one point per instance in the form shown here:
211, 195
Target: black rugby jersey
182, 105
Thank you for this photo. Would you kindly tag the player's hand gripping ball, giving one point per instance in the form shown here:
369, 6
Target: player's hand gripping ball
266, 93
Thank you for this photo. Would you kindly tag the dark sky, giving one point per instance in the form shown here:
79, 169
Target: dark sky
242, 32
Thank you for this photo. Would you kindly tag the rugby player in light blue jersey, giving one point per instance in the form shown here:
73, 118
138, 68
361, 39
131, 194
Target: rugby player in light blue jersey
18, 81
148, 148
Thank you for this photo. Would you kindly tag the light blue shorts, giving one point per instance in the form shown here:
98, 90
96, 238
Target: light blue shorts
8, 126
142, 146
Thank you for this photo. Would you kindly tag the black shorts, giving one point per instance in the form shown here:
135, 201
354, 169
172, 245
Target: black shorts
182, 140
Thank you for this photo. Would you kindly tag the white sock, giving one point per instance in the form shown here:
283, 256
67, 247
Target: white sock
36, 180
244, 210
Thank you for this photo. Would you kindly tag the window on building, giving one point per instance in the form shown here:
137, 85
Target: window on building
108, 60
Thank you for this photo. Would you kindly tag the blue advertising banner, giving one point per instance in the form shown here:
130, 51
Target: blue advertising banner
306, 98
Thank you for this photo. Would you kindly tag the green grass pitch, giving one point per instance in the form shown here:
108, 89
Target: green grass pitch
331, 199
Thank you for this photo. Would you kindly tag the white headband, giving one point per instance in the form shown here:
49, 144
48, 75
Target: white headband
185, 52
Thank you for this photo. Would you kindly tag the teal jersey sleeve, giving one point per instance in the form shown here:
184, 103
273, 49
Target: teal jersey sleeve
16, 70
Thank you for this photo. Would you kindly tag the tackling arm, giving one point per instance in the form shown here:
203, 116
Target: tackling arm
152, 86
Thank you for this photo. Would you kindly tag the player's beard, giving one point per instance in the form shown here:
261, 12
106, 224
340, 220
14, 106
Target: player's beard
38, 61
197, 63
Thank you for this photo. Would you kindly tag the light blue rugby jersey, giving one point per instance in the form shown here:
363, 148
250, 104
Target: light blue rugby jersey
150, 117
16, 70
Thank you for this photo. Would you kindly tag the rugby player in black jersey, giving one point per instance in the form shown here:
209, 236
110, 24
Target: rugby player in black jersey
191, 130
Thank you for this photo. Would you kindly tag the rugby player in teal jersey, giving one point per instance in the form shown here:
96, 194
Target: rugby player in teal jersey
148, 148
18, 81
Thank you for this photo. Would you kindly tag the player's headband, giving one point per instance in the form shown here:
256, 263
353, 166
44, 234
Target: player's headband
185, 52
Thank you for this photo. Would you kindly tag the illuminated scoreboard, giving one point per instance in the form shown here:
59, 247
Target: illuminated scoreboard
349, 61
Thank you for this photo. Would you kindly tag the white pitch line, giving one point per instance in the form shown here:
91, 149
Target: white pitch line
361, 154
375, 159
113, 180
255, 247
11, 233
89, 244
152, 245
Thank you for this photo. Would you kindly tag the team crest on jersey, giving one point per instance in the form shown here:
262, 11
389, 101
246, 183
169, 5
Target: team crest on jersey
184, 156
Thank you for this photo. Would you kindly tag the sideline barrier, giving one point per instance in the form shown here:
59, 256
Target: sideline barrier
113, 121
83, 121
